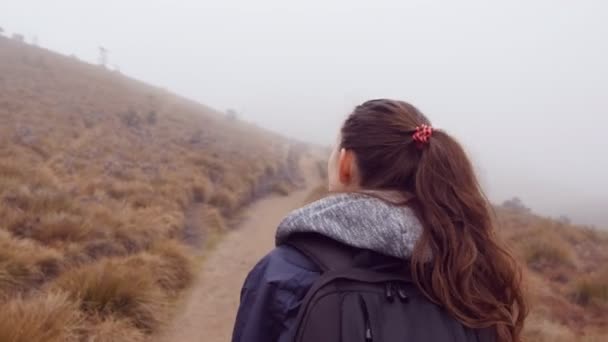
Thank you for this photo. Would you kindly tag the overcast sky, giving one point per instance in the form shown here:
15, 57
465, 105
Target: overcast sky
522, 83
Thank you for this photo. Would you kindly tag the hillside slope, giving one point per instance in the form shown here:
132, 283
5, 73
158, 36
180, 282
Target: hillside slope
108, 190
566, 275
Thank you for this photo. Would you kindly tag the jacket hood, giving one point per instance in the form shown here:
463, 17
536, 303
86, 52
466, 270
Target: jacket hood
359, 220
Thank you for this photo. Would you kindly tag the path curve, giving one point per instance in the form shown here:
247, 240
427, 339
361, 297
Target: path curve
210, 311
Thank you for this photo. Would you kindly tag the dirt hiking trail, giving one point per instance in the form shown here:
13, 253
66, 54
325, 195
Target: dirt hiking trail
210, 311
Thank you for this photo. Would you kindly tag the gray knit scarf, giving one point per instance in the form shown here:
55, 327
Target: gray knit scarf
359, 220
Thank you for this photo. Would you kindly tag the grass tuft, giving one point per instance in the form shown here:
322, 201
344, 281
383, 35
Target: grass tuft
592, 288
49, 317
116, 289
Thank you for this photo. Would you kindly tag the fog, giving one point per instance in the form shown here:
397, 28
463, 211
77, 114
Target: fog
523, 84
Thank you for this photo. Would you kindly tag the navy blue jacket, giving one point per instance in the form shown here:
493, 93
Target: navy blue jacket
274, 291
272, 295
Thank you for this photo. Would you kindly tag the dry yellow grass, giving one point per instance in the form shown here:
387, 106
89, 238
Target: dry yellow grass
25, 265
565, 276
50, 317
112, 330
111, 288
109, 189
283, 188
592, 287
543, 247
543, 330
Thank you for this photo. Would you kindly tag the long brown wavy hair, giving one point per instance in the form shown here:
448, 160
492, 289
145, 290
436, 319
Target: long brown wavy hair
459, 263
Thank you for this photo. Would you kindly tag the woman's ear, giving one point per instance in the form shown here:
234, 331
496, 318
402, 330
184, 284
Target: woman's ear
346, 165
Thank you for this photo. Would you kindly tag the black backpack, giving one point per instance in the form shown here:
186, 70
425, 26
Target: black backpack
363, 296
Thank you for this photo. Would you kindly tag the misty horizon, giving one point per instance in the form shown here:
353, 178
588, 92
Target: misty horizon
524, 86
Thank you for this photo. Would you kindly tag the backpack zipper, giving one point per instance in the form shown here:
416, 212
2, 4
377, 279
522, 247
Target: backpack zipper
388, 292
368, 329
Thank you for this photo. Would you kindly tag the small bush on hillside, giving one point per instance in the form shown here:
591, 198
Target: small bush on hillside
14, 277
169, 263
118, 170
201, 190
125, 190
44, 214
61, 226
565, 220
112, 329
199, 193
198, 137
24, 265
10, 169
39, 200
232, 115
97, 249
224, 200
152, 117
594, 234
214, 220
546, 247
18, 37
142, 201
110, 288
515, 204
132, 240
51, 317
131, 118
282, 188
542, 330
592, 288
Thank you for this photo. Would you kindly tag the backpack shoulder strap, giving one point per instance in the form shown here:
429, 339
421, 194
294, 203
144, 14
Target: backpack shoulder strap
327, 254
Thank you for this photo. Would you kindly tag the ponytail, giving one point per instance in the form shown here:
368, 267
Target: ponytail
459, 262
470, 274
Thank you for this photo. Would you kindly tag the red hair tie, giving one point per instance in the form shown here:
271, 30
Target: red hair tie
422, 134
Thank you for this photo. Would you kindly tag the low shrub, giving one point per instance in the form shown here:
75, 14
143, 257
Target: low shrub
110, 288
224, 200
24, 265
282, 188
592, 288
48, 317
543, 330
112, 329
546, 247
